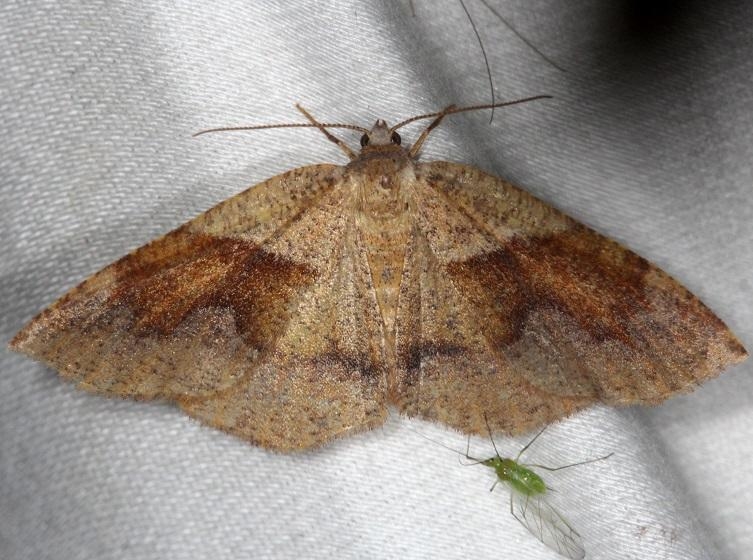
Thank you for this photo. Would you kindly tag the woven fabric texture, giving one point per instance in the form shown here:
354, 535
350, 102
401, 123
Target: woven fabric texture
649, 139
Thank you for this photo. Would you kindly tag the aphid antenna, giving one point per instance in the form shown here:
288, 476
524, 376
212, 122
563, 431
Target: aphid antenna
489, 429
551, 469
465, 455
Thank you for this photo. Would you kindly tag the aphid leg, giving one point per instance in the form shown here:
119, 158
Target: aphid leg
468, 456
570, 465
527, 445
512, 509
331, 137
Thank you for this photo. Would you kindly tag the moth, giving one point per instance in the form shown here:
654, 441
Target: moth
298, 310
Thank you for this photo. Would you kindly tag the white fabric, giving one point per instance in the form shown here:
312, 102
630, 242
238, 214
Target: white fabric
649, 139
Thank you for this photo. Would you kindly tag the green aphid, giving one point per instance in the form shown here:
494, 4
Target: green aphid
528, 499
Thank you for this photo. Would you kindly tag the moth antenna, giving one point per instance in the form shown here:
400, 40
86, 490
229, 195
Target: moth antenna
280, 125
438, 116
452, 109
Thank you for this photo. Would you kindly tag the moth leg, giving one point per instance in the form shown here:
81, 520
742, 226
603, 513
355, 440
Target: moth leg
331, 137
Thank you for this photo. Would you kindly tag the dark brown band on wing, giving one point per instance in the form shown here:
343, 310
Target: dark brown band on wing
256, 286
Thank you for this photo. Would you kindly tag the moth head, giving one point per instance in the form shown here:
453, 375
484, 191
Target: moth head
380, 135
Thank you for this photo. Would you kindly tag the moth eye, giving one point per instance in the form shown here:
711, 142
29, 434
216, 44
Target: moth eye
396, 139
364, 140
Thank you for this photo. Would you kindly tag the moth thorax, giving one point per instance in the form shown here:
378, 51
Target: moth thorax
384, 190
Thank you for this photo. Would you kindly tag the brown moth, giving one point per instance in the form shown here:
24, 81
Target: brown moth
296, 311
